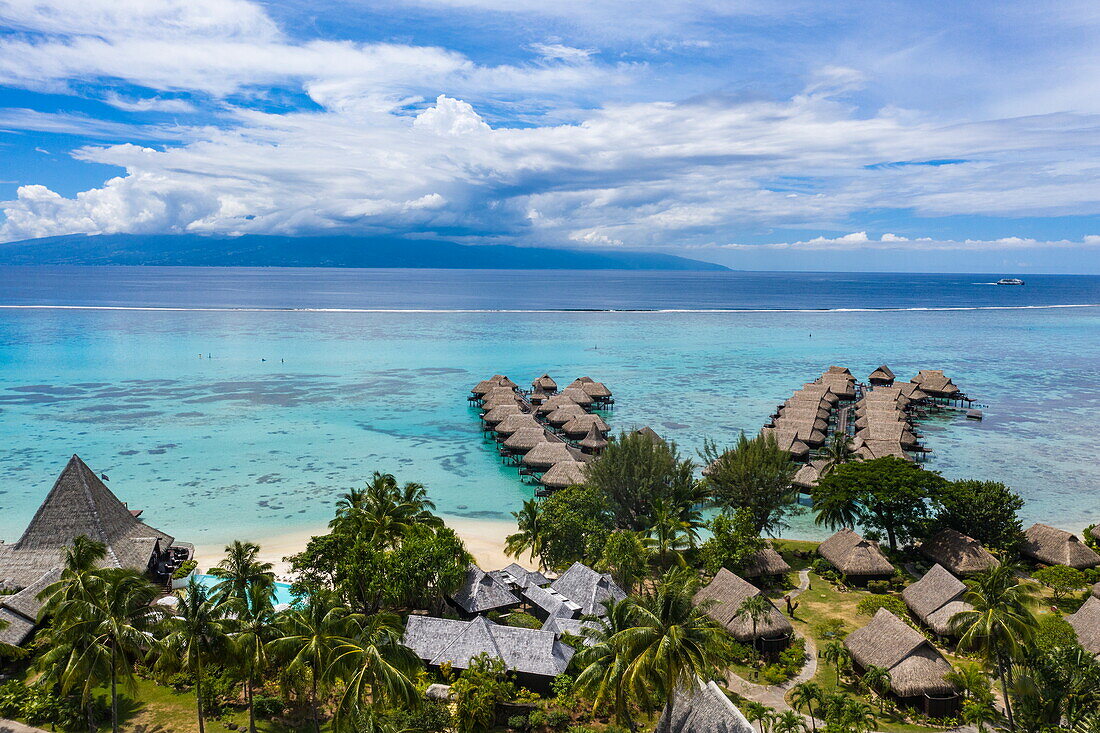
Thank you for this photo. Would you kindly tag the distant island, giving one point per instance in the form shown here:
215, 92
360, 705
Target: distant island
322, 251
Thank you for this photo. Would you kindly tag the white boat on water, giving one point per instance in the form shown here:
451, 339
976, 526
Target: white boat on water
1010, 281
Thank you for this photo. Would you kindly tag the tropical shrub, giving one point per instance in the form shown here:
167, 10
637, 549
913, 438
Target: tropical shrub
267, 707
478, 691
521, 620
185, 569
1061, 579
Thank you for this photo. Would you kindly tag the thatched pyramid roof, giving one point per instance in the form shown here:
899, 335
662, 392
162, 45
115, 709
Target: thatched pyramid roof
525, 439
563, 475
1096, 590
1057, 547
547, 454
852, 555
588, 589
934, 383
1095, 531
482, 591
581, 424
765, 562
593, 441
704, 709
530, 651
564, 413
936, 598
578, 395
957, 552
79, 504
915, 666
597, 390
650, 433
882, 375
1086, 622
545, 383
723, 597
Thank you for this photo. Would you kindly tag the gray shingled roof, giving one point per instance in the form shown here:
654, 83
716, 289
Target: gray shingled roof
521, 577
705, 709
551, 602
530, 651
482, 591
573, 626
588, 589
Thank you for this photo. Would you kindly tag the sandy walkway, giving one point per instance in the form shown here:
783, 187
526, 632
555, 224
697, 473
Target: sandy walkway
484, 539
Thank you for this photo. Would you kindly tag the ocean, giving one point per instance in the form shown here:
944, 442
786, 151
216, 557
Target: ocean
240, 403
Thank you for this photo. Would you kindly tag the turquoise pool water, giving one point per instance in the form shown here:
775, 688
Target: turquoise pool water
282, 590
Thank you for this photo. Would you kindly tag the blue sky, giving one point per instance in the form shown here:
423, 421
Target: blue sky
794, 135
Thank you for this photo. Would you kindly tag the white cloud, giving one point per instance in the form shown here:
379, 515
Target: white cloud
148, 104
561, 52
859, 241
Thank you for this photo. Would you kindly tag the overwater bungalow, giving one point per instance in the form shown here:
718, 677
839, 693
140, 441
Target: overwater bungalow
840, 383
580, 425
765, 563
505, 381
482, 592
1095, 532
960, 554
650, 433
482, 388
523, 440
562, 475
594, 442
579, 396
554, 402
917, 669
496, 414
588, 589
566, 412
912, 391
1051, 546
936, 598
545, 384
512, 423
933, 383
1086, 622
859, 560
78, 504
788, 440
722, 598
535, 656
881, 377
500, 399
869, 450
547, 454
807, 476
703, 709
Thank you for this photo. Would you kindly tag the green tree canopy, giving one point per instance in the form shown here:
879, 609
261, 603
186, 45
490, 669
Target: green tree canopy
754, 475
984, 510
634, 471
1061, 579
575, 523
887, 494
734, 540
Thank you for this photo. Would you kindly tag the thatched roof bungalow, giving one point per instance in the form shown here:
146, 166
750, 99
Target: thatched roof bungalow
723, 597
512, 423
911, 391
496, 414
957, 552
917, 669
564, 413
883, 376
596, 390
650, 433
869, 450
1051, 546
482, 592
1095, 532
806, 478
587, 588
855, 557
554, 402
535, 656
580, 425
788, 440
933, 383
704, 709
545, 455
525, 439
578, 395
545, 383
763, 563
593, 442
1086, 622
936, 598
563, 475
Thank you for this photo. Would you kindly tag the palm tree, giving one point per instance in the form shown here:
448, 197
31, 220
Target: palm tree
667, 533
971, 679
1001, 624
389, 512
804, 695
837, 451
195, 634
374, 665
836, 513
755, 712
878, 680
349, 512
757, 608
241, 575
81, 560
980, 712
310, 636
835, 653
672, 642
254, 629
603, 667
529, 537
858, 717
789, 722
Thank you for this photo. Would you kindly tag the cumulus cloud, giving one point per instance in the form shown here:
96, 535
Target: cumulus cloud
890, 242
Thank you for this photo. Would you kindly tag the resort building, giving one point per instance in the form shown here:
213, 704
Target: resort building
547, 603
1051, 546
704, 709
960, 554
765, 563
723, 598
78, 504
881, 377
535, 656
588, 589
917, 669
1086, 622
574, 626
936, 598
519, 577
857, 559
482, 592
934, 384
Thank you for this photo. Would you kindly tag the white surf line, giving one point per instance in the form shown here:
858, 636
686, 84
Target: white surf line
564, 311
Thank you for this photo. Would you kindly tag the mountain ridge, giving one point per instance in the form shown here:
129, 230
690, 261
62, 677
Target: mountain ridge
260, 250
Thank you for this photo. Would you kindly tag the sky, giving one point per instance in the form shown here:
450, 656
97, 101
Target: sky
788, 135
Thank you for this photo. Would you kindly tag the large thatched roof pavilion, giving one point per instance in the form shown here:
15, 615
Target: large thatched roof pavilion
78, 504
917, 669
936, 598
1058, 547
722, 598
957, 552
856, 558
1086, 622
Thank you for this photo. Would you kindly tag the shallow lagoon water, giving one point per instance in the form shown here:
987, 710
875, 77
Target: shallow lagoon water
292, 408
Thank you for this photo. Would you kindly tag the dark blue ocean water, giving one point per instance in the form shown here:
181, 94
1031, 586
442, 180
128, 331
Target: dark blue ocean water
240, 403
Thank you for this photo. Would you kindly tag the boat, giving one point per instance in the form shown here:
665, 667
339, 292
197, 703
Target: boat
1010, 281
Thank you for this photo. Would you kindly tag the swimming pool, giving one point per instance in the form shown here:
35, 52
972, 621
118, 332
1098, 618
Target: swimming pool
282, 590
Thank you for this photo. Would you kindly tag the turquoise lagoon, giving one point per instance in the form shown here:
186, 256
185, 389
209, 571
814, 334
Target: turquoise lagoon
225, 424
